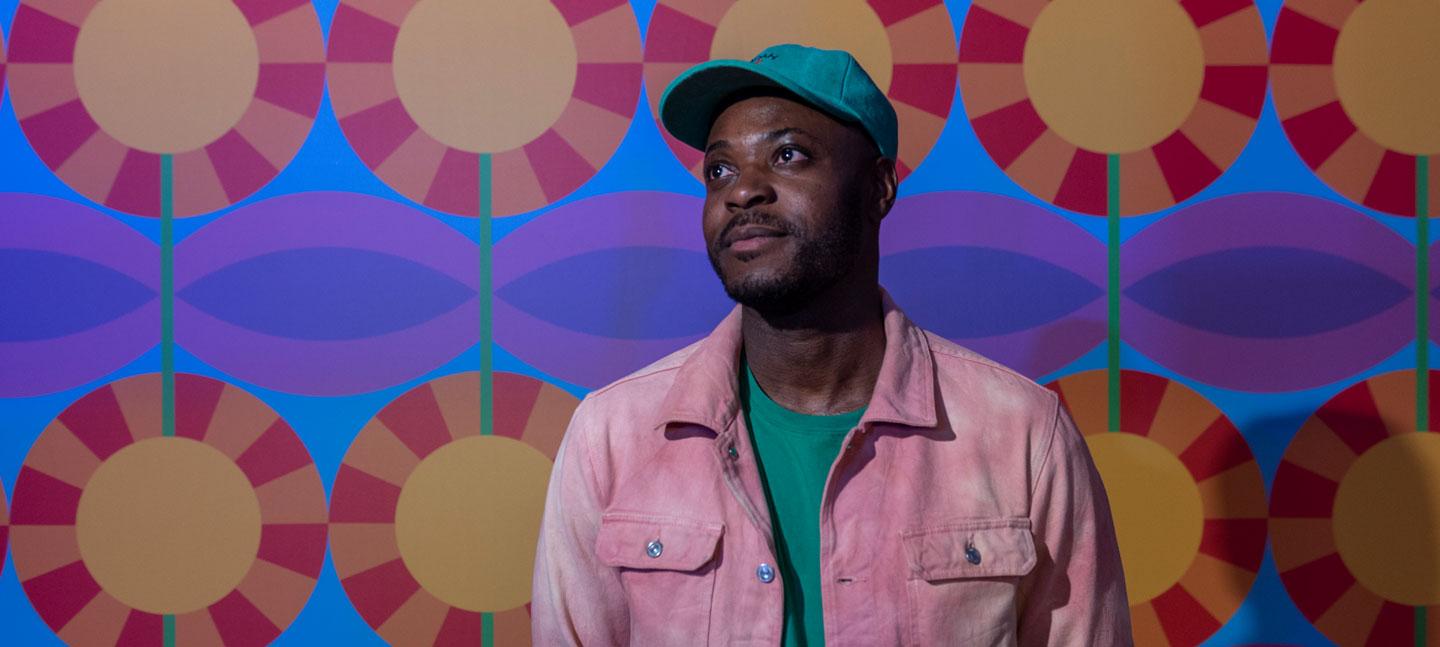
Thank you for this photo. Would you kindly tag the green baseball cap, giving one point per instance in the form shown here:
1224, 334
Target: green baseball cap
829, 80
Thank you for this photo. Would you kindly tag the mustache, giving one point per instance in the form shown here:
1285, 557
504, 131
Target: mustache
757, 217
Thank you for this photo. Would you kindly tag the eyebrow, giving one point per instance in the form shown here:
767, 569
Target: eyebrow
769, 137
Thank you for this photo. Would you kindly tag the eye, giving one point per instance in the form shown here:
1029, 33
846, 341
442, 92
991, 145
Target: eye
789, 154
717, 171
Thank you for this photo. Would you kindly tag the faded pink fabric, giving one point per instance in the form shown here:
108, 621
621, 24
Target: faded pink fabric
954, 452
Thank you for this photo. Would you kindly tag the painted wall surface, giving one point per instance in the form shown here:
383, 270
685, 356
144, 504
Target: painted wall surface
296, 298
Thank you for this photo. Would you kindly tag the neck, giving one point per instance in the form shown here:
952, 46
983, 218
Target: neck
822, 358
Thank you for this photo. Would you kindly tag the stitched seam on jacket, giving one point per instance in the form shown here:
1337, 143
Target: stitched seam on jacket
663, 520
987, 364
589, 460
993, 523
1049, 449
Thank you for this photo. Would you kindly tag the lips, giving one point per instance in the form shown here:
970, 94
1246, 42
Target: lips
751, 237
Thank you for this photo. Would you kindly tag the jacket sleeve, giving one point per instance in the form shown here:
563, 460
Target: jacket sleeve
575, 599
1076, 594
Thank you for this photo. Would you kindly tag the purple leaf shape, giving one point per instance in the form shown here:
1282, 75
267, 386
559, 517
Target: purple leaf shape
598, 288
367, 252
1222, 292
46, 295
591, 293
1268, 292
83, 284
1006, 278
326, 293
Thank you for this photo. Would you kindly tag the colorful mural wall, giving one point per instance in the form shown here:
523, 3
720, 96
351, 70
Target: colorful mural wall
296, 298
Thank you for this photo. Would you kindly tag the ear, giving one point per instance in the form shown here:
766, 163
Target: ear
886, 182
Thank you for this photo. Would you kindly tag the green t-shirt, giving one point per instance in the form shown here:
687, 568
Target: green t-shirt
794, 452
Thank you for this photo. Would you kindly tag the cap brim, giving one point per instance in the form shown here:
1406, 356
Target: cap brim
692, 101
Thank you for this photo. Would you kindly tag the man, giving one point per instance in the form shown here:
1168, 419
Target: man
818, 470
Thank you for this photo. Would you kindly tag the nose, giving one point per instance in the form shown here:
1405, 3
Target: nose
751, 189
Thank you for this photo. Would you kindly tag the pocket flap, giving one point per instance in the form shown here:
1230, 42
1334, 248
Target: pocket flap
972, 548
653, 542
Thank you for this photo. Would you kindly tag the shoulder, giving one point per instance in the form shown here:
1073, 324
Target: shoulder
618, 416
1008, 413
647, 386
984, 382
616, 427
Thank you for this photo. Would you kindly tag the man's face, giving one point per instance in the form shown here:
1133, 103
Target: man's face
788, 201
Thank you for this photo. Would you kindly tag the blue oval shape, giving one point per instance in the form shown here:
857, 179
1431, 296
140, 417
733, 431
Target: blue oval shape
1267, 292
46, 295
326, 293
986, 291
624, 293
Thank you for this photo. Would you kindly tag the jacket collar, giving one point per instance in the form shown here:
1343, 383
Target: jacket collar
706, 389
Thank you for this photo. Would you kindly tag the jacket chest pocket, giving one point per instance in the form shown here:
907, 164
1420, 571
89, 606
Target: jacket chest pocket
964, 579
667, 567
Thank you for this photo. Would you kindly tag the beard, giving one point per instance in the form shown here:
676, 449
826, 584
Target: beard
821, 258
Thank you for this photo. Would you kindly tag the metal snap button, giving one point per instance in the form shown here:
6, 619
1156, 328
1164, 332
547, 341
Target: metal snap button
654, 548
765, 573
972, 555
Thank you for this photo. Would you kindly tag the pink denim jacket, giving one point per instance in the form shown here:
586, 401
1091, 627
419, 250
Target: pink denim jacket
964, 510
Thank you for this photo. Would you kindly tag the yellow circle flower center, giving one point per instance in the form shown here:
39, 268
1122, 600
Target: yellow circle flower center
485, 77
166, 76
1387, 73
1159, 517
752, 25
168, 525
1114, 76
1387, 519
468, 519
